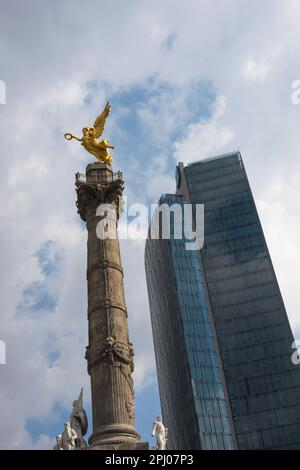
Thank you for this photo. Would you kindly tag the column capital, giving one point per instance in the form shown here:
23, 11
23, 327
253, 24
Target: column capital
99, 185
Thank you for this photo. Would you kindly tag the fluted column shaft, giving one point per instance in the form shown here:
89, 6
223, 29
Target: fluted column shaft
109, 353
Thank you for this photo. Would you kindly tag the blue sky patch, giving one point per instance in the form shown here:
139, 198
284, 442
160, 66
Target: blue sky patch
48, 257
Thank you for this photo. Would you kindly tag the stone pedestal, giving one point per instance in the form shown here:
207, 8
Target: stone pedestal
120, 447
109, 353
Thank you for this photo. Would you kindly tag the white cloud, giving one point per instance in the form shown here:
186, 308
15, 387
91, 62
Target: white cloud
206, 138
27, 170
255, 71
66, 94
259, 69
280, 218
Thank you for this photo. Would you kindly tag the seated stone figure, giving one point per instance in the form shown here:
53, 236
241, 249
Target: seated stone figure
58, 444
69, 437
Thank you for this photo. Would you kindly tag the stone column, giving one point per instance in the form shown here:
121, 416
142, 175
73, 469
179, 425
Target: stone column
109, 353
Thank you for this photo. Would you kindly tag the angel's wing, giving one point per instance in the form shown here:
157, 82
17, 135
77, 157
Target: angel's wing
80, 398
100, 121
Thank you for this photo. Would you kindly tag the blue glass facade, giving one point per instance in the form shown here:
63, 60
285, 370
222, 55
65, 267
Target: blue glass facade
251, 335
188, 366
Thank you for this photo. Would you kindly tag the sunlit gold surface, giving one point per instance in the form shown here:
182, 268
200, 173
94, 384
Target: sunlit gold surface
90, 136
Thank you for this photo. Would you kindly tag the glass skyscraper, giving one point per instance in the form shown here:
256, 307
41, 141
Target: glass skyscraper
222, 339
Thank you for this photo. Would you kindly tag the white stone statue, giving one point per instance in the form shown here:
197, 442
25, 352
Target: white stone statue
160, 433
69, 437
78, 420
58, 444
75, 429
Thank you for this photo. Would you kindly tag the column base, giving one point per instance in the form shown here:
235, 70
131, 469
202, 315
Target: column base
120, 447
114, 435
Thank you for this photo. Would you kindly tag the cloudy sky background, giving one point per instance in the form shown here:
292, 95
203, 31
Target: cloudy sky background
186, 79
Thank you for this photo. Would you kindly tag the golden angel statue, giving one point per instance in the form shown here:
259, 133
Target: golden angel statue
90, 136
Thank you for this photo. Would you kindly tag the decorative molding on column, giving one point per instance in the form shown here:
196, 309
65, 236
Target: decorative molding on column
106, 303
104, 265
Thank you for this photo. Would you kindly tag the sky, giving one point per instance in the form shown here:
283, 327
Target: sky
186, 79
